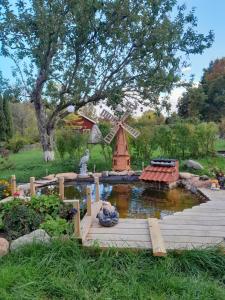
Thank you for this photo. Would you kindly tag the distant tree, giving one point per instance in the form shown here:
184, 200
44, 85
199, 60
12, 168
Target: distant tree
8, 116
213, 84
78, 52
3, 124
191, 103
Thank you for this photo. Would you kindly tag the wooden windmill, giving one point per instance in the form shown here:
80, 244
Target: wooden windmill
121, 157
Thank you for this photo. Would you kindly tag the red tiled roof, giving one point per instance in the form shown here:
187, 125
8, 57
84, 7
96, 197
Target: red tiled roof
161, 173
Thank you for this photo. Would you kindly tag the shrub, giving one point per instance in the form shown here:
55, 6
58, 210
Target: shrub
19, 220
56, 227
46, 204
16, 143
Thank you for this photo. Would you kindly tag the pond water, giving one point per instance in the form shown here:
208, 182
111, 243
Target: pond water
136, 200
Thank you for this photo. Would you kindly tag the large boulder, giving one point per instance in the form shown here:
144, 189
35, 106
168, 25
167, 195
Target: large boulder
186, 175
4, 247
37, 236
193, 164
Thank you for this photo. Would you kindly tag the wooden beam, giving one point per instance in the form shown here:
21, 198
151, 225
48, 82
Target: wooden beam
158, 246
32, 186
97, 193
88, 193
61, 188
13, 184
76, 219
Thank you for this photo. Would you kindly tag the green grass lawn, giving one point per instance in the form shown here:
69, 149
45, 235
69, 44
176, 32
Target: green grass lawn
30, 163
65, 271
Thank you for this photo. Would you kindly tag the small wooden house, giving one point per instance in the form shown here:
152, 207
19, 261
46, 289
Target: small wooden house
80, 122
161, 174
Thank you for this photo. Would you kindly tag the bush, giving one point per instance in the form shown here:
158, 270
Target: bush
47, 205
19, 220
16, 143
56, 227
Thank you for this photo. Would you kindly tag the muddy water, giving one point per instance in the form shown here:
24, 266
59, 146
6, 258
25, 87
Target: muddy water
135, 200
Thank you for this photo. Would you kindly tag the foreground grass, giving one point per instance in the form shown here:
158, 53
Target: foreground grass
65, 271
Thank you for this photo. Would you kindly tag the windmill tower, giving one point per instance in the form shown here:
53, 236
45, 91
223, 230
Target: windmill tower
121, 157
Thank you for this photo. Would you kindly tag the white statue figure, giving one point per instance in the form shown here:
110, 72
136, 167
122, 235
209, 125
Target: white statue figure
83, 163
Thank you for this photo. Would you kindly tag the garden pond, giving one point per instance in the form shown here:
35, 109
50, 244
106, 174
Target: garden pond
134, 200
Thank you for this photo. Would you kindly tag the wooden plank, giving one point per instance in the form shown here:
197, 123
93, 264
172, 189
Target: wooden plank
95, 208
190, 227
119, 237
194, 217
185, 246
193, 239
61, 188
158, 246
186, 232
118, 244
194, 222
13, 184
118, 230
200, 214
85, 226
32, 186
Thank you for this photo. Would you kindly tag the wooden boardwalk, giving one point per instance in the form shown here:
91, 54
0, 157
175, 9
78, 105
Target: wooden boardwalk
200, 226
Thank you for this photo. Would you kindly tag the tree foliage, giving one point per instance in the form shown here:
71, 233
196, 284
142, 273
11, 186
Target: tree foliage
207, 101
75, 52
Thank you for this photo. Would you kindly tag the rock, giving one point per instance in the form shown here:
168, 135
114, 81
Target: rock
186, 175
4, 247
138, 173
49, 177
37, 236
193, 164
83, 176
105, 173
97, 175
204, 177
67, 176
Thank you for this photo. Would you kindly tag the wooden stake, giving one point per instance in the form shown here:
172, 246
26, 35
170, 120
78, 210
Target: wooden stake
97, 193
13, 184
88, 193
32, 186
158, 246
77, 232
61, 188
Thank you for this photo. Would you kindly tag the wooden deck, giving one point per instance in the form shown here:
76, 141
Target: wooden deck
200, 226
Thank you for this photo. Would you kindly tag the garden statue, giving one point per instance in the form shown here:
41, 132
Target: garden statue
83, 163
108, 215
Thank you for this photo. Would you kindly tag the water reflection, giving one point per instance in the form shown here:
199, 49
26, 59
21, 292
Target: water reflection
135, 200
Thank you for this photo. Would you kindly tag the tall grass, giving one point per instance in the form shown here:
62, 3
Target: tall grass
63, 270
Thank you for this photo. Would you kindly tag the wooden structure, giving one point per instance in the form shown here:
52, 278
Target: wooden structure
162, 173
80, 122
121, 157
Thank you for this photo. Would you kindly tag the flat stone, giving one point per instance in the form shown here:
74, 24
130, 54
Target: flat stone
67, 176
49, 177
83, 176
194, 164
4, 247
204, 177
37, 236
97, 174
186, 175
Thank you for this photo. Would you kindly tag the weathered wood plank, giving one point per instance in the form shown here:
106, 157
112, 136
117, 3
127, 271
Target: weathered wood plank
193, 239
118, 230
195, 222
200, 214
123, 225
195, 217
118, 244
85, 226
186, 232
190, 227
119, 237
158, 246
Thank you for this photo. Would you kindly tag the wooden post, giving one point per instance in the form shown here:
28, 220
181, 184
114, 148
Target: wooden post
158, 246
97, 193
88, 193
13, 184
32, 186
61, 188
77, 232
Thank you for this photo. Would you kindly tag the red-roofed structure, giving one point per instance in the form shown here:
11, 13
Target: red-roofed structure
162, 173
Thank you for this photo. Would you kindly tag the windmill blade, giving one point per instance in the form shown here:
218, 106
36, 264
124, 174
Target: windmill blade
110, 136
107, 115
125, 116
133, 132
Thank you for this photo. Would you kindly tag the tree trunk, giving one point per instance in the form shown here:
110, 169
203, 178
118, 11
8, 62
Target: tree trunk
46, 133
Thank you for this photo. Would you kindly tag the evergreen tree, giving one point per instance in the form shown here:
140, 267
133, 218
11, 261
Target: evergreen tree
8, 117
2, 122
